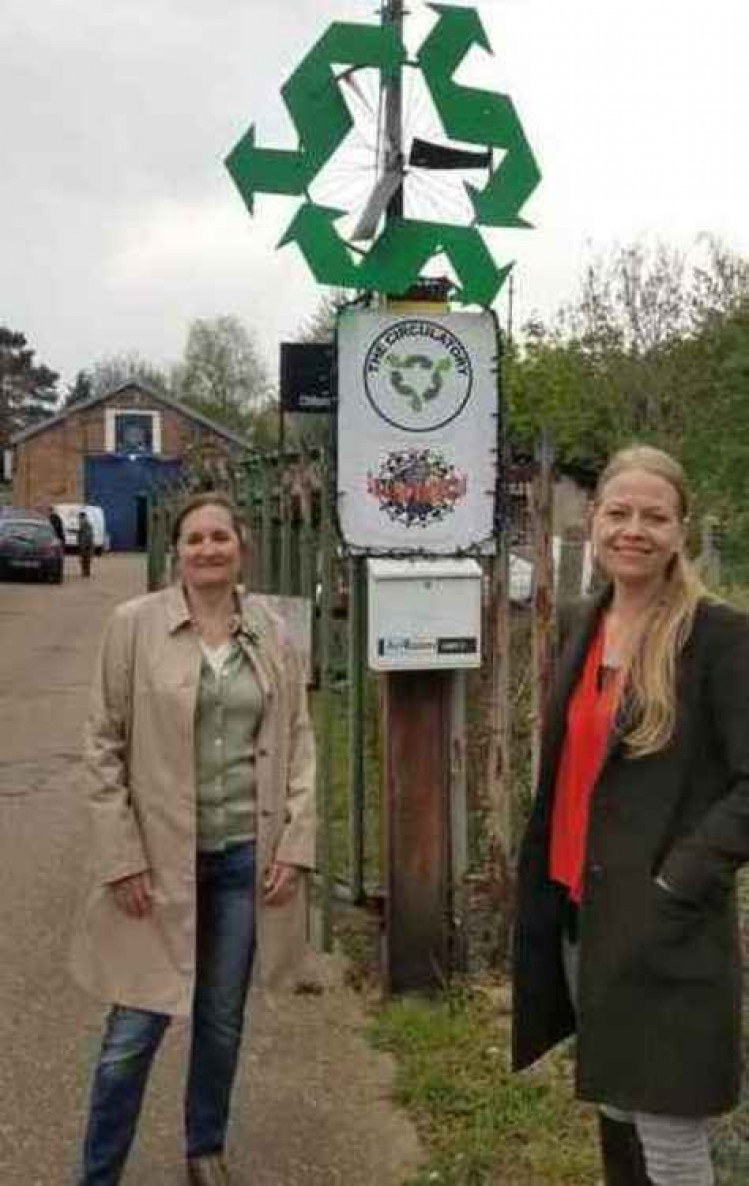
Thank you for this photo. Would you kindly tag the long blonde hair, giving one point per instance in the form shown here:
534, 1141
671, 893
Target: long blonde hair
650, 676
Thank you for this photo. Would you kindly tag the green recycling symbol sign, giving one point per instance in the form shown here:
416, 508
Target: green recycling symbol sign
401, 364
322, 120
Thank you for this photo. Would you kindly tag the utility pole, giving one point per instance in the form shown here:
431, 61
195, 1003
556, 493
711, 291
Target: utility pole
417, 740
392, 14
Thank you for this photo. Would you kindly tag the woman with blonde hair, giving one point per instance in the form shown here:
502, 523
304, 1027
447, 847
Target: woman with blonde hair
626, 927
201, 759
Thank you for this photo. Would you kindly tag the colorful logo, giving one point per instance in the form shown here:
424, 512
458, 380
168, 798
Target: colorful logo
418, 375
417, 487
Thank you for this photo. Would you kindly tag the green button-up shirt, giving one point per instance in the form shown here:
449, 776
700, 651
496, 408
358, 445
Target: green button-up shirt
229, 710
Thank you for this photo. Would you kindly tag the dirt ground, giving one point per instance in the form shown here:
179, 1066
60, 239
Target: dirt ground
312, 1103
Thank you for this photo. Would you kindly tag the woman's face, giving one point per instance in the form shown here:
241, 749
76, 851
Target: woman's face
209, 549
637, 528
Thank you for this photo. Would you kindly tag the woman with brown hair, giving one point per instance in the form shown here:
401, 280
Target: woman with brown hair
201, 793
626, 927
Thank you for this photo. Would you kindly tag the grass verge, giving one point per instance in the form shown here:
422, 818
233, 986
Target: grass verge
480, 1124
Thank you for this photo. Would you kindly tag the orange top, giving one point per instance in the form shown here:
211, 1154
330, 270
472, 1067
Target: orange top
590, 715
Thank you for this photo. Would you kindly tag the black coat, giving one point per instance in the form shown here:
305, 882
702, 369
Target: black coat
56, 524
659, 1013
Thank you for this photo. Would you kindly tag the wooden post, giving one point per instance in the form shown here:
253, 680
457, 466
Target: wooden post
417, 768
247, 504
285, 504
458, 823
417, 737
498, 773
543, 594
709, 551
307, 553
325, 770
571, 563
266, 528
157, 546
357, 659
417, 744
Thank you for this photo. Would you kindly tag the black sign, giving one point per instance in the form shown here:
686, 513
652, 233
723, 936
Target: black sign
306, 376
457, 646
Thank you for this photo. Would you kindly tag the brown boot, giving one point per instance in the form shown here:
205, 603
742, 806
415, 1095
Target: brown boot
623, 1159
207, 1171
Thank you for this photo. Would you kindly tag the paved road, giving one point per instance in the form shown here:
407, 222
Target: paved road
312, 1104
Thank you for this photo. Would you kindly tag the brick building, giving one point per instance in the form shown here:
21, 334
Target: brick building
114, 451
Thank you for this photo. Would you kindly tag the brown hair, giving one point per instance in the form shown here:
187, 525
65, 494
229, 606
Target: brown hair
651, 675
208, 498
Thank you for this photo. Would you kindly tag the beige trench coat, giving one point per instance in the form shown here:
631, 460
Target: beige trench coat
140, 756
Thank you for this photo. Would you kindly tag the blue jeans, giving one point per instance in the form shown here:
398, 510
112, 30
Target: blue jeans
224, 955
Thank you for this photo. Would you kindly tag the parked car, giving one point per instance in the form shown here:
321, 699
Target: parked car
8, 511
29, 546
69, 512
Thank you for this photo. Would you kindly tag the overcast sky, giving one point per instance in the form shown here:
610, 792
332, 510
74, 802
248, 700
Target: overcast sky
120, 224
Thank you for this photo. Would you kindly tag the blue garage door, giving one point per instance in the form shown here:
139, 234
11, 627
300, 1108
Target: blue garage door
121, 486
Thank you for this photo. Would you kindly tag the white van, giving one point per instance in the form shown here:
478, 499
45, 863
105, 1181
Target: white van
69, 512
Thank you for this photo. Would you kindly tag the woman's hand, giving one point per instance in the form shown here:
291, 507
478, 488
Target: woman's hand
280, 883
134, 895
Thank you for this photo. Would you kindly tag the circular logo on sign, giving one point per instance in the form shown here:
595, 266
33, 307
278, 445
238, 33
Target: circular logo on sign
418, 375
417, 487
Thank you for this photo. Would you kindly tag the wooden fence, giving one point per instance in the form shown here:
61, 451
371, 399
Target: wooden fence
295, 552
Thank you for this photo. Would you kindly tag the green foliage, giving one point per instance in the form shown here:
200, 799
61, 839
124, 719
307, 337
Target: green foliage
715, 442
222, 374
265, 427
480, 1124
320, 325
28, 390
114, 370
657, 350
80, 390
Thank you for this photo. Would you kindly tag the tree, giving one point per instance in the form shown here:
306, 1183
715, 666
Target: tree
617, 365
80, 390
320, 325
634, 299
720, 286
114, 370
27, 389
222, 374
656, 349
266, 428
714, 449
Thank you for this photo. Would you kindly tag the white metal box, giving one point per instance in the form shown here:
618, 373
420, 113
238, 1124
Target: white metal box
424, 614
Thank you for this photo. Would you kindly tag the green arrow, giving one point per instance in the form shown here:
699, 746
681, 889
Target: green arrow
478, 116
397, 257
510, 185
325, 252
457, 31
317, 109
406, 245
265, 169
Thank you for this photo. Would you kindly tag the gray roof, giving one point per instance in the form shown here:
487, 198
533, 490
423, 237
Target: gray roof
153, 393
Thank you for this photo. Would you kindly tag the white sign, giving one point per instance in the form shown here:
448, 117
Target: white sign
418, 414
